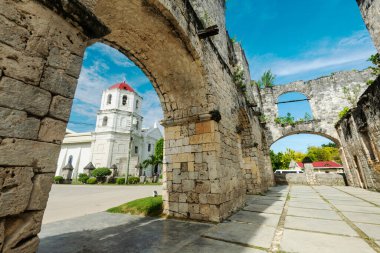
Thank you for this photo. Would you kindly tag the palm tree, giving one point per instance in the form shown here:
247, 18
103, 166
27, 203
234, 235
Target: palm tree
152, 160
267, 79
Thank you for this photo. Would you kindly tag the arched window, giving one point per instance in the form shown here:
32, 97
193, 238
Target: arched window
105, 121
109, 99
70, 161
125, 98
293, 107
137, 104
137, 125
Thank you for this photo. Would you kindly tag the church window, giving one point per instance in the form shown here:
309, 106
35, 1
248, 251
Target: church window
125, 98
137, 104
105, 121
149, 147
136, 149
109, 99
137, 125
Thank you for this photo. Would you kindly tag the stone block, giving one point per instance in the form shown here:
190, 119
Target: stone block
17, 124
183, 207
20, 66
19, 230
203, 186
12, 34
41, 155
52, 130
40, 192
63, 59
60, 108
188, 185
57, 82
15, 187
24, 97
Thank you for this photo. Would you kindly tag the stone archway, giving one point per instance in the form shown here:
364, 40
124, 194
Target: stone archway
193, 76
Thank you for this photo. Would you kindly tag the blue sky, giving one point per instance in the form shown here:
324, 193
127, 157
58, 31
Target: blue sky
296, 39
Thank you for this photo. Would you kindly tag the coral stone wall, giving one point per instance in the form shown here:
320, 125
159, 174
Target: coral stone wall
40, 60
326, 99
359, 133
370, 10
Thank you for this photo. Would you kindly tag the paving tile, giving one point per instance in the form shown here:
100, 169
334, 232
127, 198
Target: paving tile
363, 218
310, 205
319, 225
313, 213
248, 234
266, 219
205, 245
264, 208
351, 203
359, 209
309, 242
373, 231
266, 202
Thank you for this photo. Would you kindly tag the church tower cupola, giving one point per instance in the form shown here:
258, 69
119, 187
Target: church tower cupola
120, 109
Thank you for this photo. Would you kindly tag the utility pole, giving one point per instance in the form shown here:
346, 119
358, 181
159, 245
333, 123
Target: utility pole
129, 150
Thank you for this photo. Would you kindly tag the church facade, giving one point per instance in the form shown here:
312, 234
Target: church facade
118, 139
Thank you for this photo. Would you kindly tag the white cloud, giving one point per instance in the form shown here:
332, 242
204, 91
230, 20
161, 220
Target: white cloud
151, 109
114, 55
324, 55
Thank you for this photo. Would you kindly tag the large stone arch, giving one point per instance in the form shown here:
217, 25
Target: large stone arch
42, 46
326, 98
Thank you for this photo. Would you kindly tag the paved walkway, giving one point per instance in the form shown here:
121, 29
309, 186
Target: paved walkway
70, 201
297, 219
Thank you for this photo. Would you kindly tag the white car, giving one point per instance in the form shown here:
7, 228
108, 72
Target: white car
288, 171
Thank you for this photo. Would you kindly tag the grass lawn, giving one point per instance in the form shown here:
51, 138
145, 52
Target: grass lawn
150, 206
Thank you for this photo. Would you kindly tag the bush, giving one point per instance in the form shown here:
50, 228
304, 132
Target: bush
83, 178
58, 179
120, 180
101, 172
343, 112
133, 180
91, 180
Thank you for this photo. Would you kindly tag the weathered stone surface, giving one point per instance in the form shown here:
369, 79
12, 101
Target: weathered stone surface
17, 65
360, 137
12, 34
62, 59
21, 231
18, 152
21, 96
2, 232
52, 130
370, 10
15, 187
57, 82
325, 115
61, 107
17, 124
40, 192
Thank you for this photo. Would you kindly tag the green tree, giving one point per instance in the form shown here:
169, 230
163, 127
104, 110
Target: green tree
267, 79
159, 149
375, 59
324, 154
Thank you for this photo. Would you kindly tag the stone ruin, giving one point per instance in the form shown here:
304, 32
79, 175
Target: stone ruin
216, 150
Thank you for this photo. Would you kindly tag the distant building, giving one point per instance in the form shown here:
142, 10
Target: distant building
117, 121
320, 167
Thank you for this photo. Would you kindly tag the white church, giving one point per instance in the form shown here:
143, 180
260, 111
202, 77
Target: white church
118, 132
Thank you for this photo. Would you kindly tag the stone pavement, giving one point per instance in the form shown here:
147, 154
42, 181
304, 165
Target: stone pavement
70, 201
287, 219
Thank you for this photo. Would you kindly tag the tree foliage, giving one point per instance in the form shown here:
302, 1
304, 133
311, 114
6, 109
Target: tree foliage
159, 149
375, 59
327, 152
266, 80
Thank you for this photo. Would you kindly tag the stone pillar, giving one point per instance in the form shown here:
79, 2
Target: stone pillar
41, 57
193, 174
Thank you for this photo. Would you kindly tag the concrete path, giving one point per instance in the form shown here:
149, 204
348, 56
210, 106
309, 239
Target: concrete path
287, 219
70, 201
